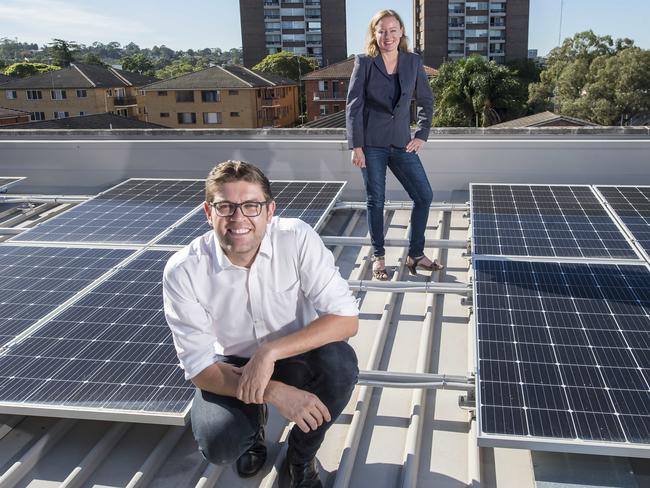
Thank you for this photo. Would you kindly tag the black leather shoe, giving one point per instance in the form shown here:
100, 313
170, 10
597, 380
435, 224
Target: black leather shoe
250, 463
305, 475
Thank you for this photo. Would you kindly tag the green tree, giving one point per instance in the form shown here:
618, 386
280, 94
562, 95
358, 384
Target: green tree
287, 65
138, 63
562, 85
62, 52
22, 70
92, 58
474, 92
178, 68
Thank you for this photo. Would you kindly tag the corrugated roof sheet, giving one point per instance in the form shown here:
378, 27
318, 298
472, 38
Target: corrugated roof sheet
332, 121
79, 75
343, 69
9, 113
544, 118
94, 121
219, 77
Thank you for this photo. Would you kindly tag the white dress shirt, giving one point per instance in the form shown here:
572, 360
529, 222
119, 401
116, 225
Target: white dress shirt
215, 308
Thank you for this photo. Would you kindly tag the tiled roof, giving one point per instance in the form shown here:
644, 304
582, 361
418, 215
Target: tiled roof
332, 121
79, 75
542, 119
343, 69
95, 121
4, 78
229, 76
8, 113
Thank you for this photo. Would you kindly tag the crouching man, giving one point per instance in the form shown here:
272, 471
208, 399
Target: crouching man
259, 314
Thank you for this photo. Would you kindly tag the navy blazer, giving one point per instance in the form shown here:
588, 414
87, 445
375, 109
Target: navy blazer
370, 119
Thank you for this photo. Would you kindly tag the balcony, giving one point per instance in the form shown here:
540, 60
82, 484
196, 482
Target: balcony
325, 95
124, 101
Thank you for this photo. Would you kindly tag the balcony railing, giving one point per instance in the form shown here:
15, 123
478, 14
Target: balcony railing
122, 101
325, 95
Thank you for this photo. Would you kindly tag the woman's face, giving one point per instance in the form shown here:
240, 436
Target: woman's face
388, 33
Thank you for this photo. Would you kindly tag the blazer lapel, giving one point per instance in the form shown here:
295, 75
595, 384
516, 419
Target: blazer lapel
379, 63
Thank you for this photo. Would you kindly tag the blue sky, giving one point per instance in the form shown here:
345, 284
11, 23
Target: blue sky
215, 23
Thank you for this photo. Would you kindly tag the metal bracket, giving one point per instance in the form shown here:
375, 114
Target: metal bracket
467, 402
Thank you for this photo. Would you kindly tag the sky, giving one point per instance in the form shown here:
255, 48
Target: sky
198, 24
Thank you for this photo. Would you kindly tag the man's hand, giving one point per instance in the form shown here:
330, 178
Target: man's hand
358, 158
255, 377
299, 406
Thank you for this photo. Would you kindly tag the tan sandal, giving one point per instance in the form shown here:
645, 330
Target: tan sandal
379, 268
414, 263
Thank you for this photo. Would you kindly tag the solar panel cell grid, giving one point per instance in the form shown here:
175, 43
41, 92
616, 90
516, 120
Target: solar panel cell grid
133, 212
537, 220
36, 280
632, 206
111, 349
567, 356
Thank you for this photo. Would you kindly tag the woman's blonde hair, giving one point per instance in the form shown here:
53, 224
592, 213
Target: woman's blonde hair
372, 49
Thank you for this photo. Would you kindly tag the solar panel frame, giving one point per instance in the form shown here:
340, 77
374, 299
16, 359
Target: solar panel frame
8, 181
111, 230
528, 441
75, 335
194, 224
537, 228
639, 231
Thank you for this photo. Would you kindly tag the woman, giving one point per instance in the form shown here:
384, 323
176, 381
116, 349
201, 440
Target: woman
382, 85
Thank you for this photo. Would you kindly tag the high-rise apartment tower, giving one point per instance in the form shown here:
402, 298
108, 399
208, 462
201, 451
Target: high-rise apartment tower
314, 28
451, 29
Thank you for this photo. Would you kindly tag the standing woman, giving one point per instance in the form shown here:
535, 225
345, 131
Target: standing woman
382, 85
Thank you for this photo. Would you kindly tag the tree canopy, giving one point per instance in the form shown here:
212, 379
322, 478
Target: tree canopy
21, 70
139, 63
179, 67
62, 52
287, 65
474, 92
596, 78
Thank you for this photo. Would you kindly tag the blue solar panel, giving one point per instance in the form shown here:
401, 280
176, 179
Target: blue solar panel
36, 280
564, 353
133, 212
542, 220
111, 351
632, 206
308, 201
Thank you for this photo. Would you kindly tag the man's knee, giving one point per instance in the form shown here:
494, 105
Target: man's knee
221, 438
337, 362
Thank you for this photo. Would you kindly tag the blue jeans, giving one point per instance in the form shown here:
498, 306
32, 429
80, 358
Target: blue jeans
407, 168
225, 427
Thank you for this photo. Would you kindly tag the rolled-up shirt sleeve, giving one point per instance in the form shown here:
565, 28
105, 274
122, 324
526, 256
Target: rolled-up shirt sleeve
320, 279
188, 321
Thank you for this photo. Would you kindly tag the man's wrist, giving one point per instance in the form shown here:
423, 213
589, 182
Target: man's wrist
273, 391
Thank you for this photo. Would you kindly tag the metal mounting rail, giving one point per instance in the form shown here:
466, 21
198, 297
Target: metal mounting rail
410, 286
429, 381
365, 241
44, 198
11, 231
388, 205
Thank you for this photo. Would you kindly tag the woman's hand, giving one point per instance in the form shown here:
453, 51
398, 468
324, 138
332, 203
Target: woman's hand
414, 145
358, 158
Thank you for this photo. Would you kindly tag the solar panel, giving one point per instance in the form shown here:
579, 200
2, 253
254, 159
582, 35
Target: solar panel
108, 356
631, 204
34, 281
306, 200
133, 212
564, 356
6, 182
543, 220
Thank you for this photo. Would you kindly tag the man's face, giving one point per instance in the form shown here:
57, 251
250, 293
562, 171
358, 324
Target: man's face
239, 235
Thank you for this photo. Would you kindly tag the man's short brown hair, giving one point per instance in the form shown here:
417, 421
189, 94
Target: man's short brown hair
232, 170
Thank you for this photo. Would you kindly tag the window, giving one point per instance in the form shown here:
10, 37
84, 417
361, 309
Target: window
233, 92
210, 95
120, 92
187, 118
11, 94
82, 94
164, 114
234, 114
58, 95
337, 108
211, 117
61, 115
323, 85
122, 112
294, 24
184, 96
109, 92
162, 93
82, 113
34, 95
323, 109
476, 19
37, 116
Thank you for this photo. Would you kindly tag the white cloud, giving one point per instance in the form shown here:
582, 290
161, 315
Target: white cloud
48, 19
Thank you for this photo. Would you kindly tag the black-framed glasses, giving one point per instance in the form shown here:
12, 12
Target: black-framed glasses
228, 209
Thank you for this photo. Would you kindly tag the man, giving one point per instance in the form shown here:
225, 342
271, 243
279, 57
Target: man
259, 313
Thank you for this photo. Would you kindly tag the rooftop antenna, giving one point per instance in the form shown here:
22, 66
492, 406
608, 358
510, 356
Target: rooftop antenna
559, 34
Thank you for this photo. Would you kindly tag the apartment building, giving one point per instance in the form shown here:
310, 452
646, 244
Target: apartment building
219, 97
446, 30
79, 89
326, 89
313, 28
